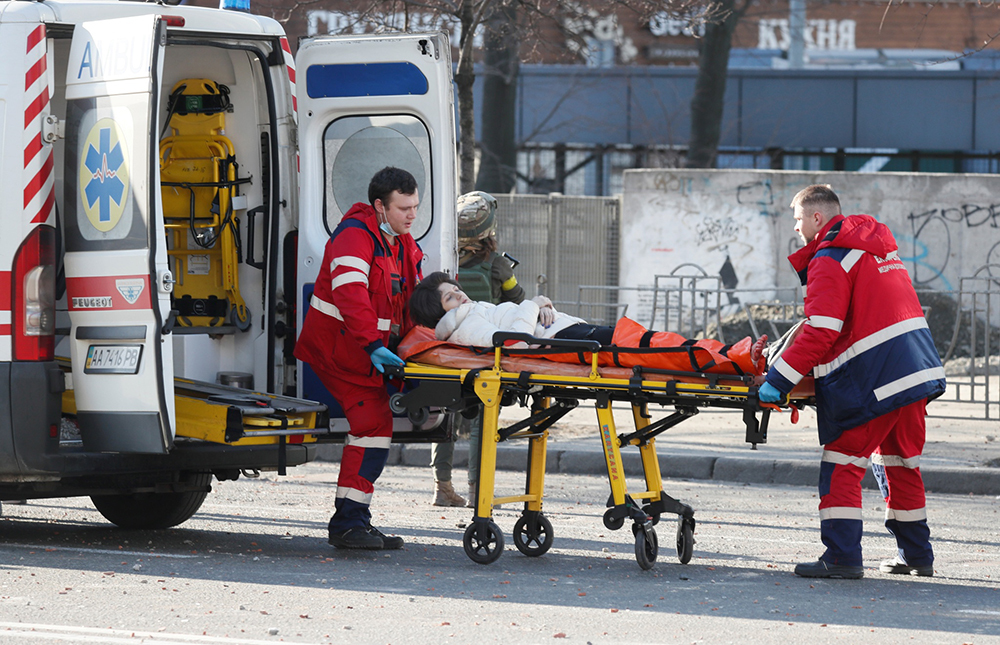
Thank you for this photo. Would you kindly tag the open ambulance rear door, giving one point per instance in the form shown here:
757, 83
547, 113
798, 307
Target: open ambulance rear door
366, 102
117, 278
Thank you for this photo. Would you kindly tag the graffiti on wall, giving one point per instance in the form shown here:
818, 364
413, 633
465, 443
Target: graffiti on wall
931, 239
946, 226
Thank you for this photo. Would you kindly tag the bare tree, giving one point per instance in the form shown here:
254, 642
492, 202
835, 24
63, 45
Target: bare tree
504, 23
708, 99
497, 138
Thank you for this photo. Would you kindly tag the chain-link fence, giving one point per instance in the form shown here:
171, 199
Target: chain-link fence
562, 242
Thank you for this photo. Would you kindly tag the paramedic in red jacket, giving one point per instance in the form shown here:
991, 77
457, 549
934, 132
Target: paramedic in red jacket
359, 310
867, 343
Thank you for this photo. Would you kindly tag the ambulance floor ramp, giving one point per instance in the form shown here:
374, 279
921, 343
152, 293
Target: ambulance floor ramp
234, 416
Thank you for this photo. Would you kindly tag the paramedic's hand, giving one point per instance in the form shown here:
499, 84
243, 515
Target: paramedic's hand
382, 357
768, 393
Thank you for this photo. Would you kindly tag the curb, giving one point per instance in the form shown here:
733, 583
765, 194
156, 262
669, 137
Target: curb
789, 472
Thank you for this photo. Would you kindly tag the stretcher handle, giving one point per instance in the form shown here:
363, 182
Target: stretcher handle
500, 338
783, 402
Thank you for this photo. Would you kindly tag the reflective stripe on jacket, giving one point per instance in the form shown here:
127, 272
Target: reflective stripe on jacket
865, 339
360, 295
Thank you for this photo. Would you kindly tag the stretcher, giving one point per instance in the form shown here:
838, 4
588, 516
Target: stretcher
200, 188
461, 380
233, 416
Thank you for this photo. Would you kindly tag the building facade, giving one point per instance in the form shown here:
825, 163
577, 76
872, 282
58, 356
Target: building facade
909, 95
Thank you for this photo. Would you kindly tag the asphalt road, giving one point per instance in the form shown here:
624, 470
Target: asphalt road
254, 567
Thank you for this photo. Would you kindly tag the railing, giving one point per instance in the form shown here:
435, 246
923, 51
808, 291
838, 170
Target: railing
974, 377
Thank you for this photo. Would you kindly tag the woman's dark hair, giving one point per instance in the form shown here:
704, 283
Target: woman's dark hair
425, 303
388, 180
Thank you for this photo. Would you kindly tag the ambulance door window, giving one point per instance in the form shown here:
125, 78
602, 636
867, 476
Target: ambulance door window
356, 147
104, 172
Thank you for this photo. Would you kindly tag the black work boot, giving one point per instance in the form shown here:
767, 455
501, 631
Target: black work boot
388, 542
823, 569
898, 566
356, 537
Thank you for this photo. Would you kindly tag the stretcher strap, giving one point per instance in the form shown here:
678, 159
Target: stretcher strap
691, 351
689, 348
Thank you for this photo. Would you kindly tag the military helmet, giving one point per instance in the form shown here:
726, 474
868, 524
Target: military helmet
476, 217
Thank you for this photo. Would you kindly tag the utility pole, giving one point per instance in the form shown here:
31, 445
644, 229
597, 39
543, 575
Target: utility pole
796, 32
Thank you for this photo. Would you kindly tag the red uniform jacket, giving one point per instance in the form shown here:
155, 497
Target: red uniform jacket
865, 338
360, 297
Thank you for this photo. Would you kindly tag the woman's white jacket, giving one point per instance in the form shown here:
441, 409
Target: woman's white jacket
474, 323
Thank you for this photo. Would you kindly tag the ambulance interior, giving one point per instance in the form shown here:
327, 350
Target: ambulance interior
217, 172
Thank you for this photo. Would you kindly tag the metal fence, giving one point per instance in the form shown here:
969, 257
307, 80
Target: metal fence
562, 242
964, 325
972, 358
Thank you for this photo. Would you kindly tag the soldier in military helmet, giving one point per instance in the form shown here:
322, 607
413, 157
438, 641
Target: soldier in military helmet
483, 273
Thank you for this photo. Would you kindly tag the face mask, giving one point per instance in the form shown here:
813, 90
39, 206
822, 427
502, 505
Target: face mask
387, 229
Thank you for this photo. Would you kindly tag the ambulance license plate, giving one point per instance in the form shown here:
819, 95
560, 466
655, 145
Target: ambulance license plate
113, 359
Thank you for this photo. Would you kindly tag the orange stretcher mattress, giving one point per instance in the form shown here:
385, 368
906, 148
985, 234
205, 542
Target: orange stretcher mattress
420, 346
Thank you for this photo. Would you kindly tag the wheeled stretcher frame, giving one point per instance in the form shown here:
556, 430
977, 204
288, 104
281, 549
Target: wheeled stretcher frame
551, 397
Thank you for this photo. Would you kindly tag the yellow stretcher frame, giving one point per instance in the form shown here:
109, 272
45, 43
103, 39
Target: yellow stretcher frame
233, 416
177, 154
553, 396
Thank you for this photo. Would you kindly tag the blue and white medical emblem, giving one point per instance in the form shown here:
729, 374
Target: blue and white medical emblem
104, 180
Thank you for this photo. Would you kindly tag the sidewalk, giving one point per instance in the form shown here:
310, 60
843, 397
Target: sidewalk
961, 456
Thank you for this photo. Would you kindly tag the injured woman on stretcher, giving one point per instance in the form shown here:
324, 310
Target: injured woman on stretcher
439, 304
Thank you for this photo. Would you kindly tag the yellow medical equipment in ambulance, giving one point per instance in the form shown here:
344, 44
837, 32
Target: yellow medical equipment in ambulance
198, 175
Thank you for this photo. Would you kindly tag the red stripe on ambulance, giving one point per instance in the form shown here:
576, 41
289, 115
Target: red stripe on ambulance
34, 73
43, 212
33, 148
35, 37
108, 292
290, 68
38, 181
5, 328
39, 186
5, 292
286, 50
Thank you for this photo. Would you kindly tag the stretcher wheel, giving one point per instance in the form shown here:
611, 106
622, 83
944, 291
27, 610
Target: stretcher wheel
395, 404
483, 542
243, 323
685, 541
419, 417
533, 535
646, 549
611, 522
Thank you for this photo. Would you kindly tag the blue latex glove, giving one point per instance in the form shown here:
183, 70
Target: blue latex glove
382, 356
767, 393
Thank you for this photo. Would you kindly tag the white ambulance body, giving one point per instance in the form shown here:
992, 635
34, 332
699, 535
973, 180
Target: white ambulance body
153, 279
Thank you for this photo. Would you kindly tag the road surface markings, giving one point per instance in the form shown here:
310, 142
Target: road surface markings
101, 635
83, 549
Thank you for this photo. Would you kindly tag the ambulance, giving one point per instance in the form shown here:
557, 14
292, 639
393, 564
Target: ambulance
170, 176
